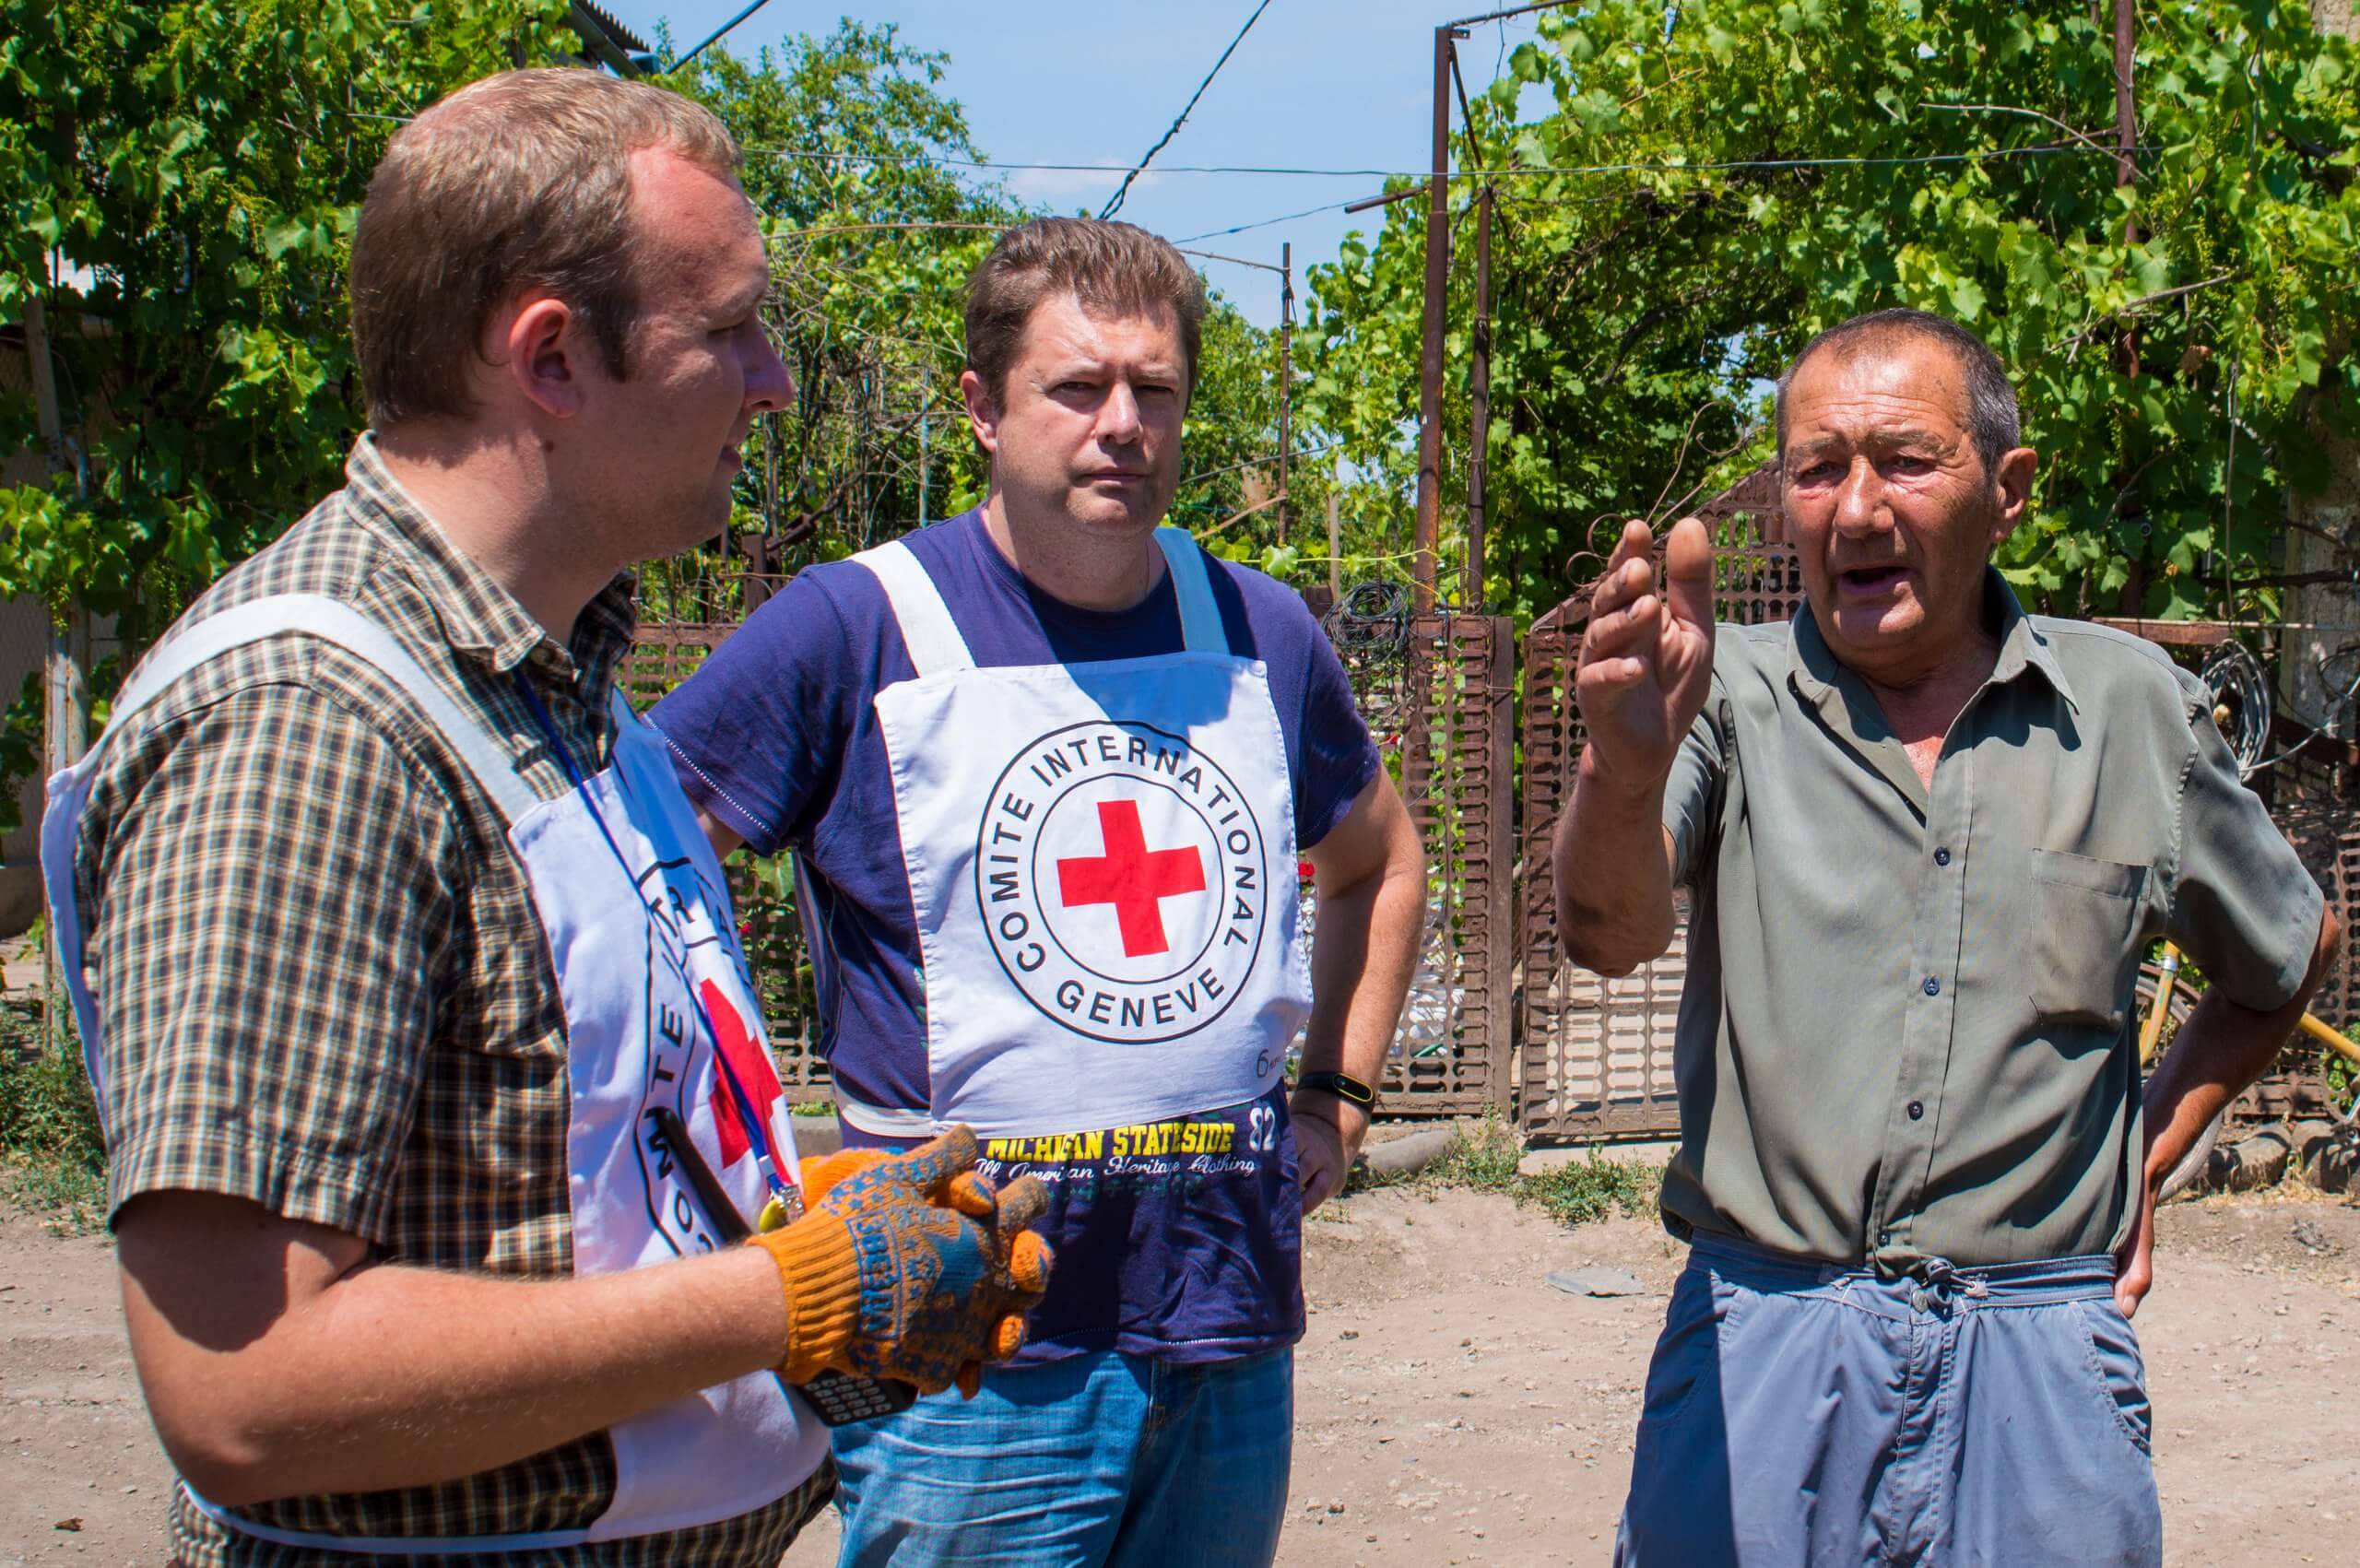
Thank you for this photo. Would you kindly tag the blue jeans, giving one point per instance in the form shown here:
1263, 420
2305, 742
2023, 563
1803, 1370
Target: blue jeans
1095, 1460
1799, 1414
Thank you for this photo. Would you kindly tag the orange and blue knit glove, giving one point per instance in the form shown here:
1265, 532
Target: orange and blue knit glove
944, 1265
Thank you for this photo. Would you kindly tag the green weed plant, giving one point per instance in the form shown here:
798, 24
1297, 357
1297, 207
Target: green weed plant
53, 1156
1484, 1157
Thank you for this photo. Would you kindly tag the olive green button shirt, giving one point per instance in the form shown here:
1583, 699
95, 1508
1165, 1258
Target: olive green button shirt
1908, 1029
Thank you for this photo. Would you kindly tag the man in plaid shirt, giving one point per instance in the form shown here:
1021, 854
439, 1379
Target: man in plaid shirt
384, 1038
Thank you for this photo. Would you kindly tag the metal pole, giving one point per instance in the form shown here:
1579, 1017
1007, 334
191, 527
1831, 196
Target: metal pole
2126, 127
925, 408
45, 416
1429, 519
69, 711
66, 713
2126, 173
1478, 393
1286, 381
1334, 548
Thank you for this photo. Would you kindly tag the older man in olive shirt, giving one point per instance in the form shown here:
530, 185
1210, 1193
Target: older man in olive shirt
1927, 837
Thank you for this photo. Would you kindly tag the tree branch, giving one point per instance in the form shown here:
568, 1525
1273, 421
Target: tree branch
2072, 345
2081, 137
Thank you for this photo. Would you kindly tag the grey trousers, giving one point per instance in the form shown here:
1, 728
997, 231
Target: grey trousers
1805, 1414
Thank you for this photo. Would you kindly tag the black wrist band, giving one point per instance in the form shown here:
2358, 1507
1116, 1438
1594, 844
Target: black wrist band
1343, 1086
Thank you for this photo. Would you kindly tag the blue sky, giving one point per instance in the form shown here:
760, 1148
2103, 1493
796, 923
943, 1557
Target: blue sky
1318, 84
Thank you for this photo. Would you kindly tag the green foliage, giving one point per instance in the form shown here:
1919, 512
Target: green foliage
1485, 1157
21, 728
873, 245
180, 182
1639, 312
2342, 1078
1596, 1188
53, 1156
177, 186
839, 134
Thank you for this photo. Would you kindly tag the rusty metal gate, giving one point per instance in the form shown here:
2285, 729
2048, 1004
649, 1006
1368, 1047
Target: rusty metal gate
667, 654
1596, 1057
2314, 796
1437, 691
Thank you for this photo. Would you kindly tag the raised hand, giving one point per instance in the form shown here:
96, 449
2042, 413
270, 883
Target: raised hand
1647, 658
946, 1268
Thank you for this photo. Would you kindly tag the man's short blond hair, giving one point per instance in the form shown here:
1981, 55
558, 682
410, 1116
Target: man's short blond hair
1114, 270
520, 182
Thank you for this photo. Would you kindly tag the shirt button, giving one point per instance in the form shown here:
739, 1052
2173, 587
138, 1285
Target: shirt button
1933, 986
1941, 857
1917, 1109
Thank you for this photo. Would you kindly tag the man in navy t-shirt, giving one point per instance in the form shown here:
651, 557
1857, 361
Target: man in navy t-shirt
1048, 772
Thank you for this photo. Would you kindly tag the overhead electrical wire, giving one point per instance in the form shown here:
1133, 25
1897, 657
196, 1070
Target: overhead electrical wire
1267, 222
1114, 202
1522, 170
1633, 169
1525, 170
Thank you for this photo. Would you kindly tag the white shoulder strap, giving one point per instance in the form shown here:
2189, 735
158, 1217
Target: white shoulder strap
1200, 626
928, 631
331, 620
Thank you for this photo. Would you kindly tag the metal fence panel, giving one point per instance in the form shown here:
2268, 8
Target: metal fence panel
1595, 1059
1438, 691
2314, 798
764, 888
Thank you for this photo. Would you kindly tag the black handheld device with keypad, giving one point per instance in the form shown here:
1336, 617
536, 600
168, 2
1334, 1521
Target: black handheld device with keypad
838, 1398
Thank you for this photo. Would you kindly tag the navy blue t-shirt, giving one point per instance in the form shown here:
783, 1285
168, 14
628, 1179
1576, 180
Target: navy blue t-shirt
1179, 1239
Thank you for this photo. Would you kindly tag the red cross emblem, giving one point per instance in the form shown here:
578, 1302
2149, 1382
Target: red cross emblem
749, 1062
1131, 877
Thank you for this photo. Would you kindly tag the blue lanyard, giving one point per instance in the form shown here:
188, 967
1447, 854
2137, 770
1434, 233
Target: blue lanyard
756, 1128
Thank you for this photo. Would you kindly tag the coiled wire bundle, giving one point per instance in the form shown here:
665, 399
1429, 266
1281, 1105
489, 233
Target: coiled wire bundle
2240, 690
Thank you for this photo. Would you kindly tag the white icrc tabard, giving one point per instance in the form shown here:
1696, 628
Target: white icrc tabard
640, 932
1101, 860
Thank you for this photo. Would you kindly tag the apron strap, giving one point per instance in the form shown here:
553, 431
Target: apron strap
1201, 625
884, 1121
331, 620
928, 631
188, 649
933, 639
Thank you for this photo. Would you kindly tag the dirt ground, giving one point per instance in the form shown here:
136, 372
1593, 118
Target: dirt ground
1452, 1408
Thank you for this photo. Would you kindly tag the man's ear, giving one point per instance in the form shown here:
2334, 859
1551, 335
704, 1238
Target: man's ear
983, 414
538, 349
2012, 490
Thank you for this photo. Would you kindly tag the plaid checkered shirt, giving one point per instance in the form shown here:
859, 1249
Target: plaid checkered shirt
323, 983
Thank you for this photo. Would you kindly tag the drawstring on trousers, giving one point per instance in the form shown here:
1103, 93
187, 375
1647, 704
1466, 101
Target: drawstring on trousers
1942, 1278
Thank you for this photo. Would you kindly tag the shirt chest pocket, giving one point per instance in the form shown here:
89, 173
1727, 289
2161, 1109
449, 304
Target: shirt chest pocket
2085, 919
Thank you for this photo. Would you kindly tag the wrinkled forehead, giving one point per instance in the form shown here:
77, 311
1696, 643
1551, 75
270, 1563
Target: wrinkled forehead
1897, 389
1062, 326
